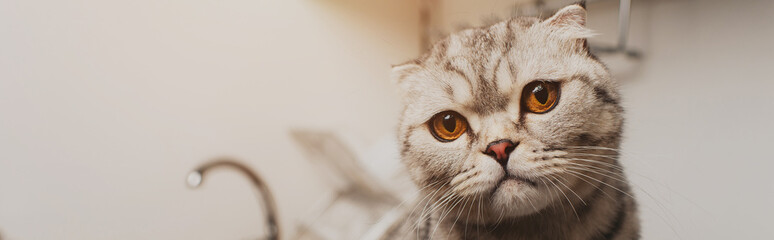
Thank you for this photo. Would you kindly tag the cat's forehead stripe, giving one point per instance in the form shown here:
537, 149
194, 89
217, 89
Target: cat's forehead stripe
456, 84
476, 55
484, 95
488, 98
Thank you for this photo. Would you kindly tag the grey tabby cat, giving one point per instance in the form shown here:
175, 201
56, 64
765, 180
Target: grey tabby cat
512, 132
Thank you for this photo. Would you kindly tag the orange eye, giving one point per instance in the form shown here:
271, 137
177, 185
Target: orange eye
448, 126
540, 96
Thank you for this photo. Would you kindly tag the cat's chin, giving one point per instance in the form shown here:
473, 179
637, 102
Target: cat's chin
516, 197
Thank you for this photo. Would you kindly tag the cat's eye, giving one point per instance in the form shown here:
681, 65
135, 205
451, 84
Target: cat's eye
448, 126
540, 96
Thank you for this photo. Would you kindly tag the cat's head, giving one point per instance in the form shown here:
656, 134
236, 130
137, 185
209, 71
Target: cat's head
508, 115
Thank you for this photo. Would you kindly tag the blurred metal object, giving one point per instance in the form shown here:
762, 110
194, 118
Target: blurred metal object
624, 16
196, 178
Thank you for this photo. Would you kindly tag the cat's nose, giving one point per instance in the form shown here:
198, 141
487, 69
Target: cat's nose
500, 150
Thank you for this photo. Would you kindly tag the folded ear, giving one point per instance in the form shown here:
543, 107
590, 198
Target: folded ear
570, 21
400, 71
401, 76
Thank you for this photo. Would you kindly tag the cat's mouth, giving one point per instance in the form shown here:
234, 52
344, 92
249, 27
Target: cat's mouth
517, 179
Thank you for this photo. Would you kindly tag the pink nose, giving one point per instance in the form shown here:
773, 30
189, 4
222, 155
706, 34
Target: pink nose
500, 150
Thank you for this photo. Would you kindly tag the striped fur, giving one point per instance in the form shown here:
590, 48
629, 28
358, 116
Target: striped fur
575, 187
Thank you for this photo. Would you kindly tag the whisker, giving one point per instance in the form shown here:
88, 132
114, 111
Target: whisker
459, 213
413, 197
611, 186
573, 151
597, 172
550, 193
472, 203
594, 185
598, 168
663, 208
428, 197
593, 155
629, 195
610, 165
557, 193
438, 204
502, 212
443, 215
480, 197
565, 195
568, 188
660, 205
417, 193
422, 214
532, 204
593, 148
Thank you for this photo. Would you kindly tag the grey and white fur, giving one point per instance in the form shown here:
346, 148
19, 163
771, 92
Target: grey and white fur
561, 181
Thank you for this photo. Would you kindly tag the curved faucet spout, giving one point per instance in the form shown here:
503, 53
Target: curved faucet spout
196, 178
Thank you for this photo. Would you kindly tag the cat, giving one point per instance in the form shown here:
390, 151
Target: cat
512, 131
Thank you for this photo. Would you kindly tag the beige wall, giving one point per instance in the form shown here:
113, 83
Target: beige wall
106, 105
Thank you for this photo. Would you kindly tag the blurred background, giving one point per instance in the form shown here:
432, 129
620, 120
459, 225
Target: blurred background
105, 106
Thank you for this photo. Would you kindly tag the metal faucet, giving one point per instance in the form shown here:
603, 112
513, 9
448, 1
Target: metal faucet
196, 177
